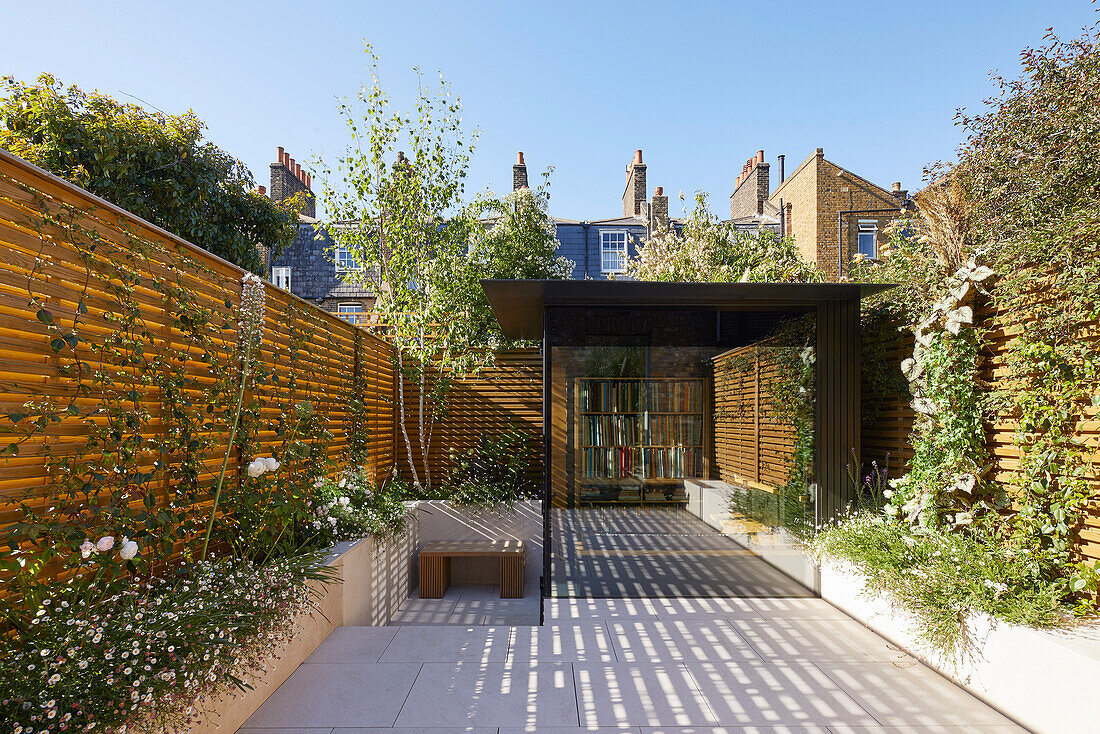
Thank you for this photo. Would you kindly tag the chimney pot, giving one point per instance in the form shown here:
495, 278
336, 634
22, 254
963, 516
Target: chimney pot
309, 182
297, 171
759, 156
896, 187
280, 154
782, 174
660, 191
262, 190
819, 152
637, 157
519, 159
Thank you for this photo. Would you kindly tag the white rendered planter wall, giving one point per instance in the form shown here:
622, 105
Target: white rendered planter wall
376, 580
1045, 679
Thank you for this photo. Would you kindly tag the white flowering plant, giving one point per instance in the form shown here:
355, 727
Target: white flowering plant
144, 659
354, 507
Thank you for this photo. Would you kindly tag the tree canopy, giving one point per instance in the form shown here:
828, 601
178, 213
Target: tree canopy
150, 163
707, 249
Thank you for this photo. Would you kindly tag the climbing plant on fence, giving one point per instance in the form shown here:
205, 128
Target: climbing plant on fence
120, 372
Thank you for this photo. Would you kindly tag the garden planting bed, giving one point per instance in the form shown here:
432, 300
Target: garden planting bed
376, 578
1044, 679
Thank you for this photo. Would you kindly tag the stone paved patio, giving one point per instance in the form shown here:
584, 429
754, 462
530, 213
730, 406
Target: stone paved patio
763, 666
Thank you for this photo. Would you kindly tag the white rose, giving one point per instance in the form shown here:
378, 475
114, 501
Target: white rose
344, 501
87, 548
104, 544
128, 550
256, 468
270, 463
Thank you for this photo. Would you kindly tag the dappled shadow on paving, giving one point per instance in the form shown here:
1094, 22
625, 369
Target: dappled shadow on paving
647, 552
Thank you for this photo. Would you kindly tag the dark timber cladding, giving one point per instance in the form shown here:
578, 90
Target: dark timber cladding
524, 307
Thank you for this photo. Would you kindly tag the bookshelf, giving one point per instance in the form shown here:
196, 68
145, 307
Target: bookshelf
636, 439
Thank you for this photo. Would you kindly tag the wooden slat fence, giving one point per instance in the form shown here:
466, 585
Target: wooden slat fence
751, 443
893, 421
92, 267
504, 396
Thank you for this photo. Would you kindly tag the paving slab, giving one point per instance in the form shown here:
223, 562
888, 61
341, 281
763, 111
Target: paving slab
911, 694
640, 694
678, 639
736, 730
577, 642
332, 694
439, 644
491, 694
417, 730
564, 609
840, 640
795, 608
993, 729
766, 694
353, 645
704, 608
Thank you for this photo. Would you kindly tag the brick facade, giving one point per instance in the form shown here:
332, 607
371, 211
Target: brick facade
635, 193
288, 179
519, 173
750, 194
825, 203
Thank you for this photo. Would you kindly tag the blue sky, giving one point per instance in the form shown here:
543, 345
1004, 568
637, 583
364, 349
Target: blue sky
699, 87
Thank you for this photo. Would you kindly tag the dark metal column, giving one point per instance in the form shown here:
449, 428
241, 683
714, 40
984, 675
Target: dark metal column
838, 405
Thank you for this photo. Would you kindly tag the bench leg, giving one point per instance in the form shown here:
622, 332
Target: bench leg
511, 577
435, 576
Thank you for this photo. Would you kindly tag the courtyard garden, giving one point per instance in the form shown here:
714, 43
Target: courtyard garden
183, 443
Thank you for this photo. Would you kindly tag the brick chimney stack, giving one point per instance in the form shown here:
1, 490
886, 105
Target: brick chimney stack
751, 189
519, 173
288, 178
658, 210
634, 195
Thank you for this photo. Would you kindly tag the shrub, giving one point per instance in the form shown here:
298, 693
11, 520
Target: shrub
942, 577
141, 659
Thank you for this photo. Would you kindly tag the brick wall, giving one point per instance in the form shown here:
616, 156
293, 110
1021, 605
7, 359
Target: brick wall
288, 179
816, 195
799, 194
635, 193
519, 173
747, 200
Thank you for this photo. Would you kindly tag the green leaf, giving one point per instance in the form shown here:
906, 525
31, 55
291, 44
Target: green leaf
16, 417
44, 316
57, 345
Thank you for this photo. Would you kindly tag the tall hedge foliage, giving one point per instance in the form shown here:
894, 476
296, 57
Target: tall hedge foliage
153, 164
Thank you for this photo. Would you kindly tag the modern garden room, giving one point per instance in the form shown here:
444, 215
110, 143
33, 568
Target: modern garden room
692, 432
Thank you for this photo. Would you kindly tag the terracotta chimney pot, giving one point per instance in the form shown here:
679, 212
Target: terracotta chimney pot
638, 157
519, 159
280, 154
660, 191
262, 190
759, 156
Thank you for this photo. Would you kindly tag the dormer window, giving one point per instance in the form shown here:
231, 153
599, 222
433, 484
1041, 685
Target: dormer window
280, 278
345, 261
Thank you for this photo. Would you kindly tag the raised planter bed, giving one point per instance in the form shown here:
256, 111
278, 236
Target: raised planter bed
1044, 679
376, 580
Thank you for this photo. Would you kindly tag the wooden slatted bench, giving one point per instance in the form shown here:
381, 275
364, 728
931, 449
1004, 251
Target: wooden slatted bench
435, 564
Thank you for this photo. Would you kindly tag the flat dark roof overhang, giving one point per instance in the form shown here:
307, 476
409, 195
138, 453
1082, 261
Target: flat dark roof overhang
518, 304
